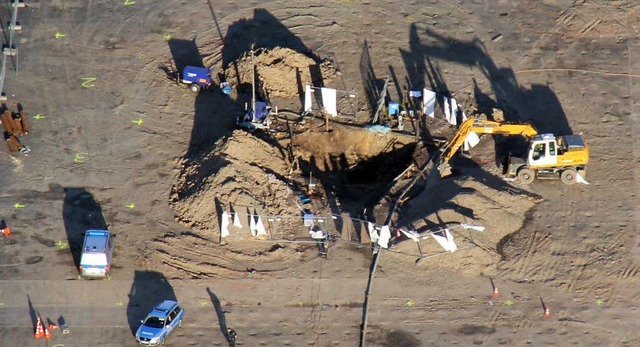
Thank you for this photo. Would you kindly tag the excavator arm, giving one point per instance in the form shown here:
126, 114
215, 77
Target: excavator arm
482, 127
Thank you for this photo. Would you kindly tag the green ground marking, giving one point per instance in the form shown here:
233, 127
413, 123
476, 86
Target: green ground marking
39, 116
167, 37
131, 206
80, 157
508, 302
128, 2
87, 82
58, 345
204, 303
61, 245
137, 121
599, 302
410, 303
59, 35
18, 205
120, 303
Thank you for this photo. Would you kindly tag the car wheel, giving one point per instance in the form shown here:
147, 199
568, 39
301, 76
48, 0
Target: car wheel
194, 87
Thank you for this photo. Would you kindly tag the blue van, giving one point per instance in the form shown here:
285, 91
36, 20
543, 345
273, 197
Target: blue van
97, 250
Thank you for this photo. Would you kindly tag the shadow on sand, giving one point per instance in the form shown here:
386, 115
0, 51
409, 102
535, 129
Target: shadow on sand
148, 289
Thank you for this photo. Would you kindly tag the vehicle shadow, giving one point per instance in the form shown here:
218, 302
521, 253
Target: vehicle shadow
80, 212
221, 318
148, 289
537, 104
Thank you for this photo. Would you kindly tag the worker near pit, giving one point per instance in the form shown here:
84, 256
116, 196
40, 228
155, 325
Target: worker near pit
321, 238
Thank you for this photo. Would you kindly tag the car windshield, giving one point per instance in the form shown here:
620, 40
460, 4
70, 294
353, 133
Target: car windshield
154, 322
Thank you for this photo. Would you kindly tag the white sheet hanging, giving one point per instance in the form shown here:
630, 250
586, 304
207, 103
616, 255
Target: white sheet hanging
447, 109
307, 98
471, 141
236, 220
452, 115
373, 233
252, 225
412, 234
445, 239
429, 101
329, 101
224, 227
260, 229
385, 236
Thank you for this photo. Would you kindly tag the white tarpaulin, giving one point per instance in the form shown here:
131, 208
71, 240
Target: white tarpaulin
224, 227
445, 240
373, 234
260, 230
236, 220
307, 99
385, 236
329, 100
429, 101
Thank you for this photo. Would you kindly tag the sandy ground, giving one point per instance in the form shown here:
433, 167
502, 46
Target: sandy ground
575, 248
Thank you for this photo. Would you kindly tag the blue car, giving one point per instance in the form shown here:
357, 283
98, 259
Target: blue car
159, 323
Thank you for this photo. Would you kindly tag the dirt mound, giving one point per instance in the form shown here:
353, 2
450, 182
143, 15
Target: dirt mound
242, 172
475, 200
279, 70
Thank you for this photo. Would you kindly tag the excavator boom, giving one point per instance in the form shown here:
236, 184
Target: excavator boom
480, 126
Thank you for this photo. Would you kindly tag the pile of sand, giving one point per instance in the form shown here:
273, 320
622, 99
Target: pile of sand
478, 199
282, 71
241, 172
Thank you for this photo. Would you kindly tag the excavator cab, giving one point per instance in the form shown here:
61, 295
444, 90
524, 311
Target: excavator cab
543, 151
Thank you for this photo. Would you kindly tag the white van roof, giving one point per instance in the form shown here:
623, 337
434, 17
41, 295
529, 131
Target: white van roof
95, 241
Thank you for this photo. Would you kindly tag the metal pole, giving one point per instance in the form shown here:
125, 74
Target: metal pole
253, 85
365, 308
12, 27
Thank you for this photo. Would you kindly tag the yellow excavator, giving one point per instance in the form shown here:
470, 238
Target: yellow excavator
548, 155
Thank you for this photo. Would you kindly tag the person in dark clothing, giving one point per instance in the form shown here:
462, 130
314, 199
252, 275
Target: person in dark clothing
231, 335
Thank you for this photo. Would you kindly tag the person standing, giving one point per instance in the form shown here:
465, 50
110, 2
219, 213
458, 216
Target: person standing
231, 336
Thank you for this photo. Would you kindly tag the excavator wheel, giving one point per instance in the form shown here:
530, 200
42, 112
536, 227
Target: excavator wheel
526, 175
569, 176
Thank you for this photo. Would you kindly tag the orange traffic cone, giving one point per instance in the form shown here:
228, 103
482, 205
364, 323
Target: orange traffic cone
39, 329
546, 312
495, 291
47, 335
52, 326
